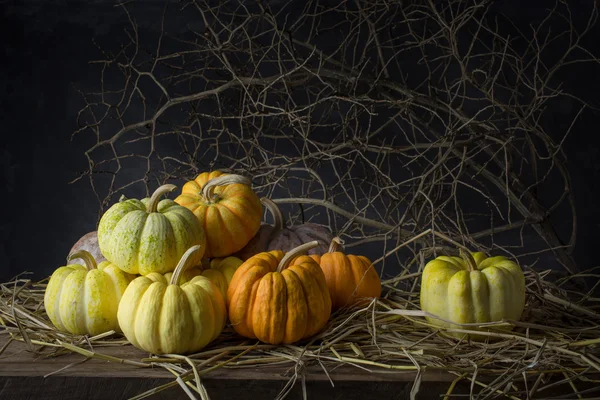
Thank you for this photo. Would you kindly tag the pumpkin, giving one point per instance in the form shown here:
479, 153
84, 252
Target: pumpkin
226, 207
84, 299
472, 289
218, 271
160, 316
275, 300
89, 243
350, 278
149, 236
227, 266
280, 237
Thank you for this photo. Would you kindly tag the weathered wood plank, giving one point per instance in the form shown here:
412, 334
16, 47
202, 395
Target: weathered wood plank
22, 376
18, 361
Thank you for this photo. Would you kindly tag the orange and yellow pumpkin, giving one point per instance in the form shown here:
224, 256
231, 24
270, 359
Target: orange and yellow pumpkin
226, 207
279, 298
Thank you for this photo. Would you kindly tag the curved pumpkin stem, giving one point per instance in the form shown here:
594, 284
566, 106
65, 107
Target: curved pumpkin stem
229, 179
335, 245
161, 190
87, 257
469, 260
295, 252
183, 264
275, 212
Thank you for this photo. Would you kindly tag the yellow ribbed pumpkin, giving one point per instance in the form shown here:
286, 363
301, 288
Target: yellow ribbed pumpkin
219, 271
161, 316
84, 299
472, 289
226, 207
278, 300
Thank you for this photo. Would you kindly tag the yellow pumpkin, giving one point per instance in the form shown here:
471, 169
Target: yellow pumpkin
161, 316
226, 207
84, 299
350, 278
278, 300
219, 271
149, 236
472, 289
227, 266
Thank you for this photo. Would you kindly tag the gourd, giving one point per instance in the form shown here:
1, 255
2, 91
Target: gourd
227, 266
280, 237
89, 243
226, 207
84, 299
349, 277
277, 300
218, 270
221, 271
149, 235
472, 289
161, 316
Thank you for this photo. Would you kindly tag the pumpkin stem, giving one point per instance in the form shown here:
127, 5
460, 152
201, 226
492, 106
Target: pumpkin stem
229, 179
335, 245
183, 264
290, 255
153, 203
275, 212
87, 258
469, 260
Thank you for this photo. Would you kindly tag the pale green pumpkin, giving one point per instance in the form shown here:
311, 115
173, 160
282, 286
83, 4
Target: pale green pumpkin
84, 299
472, 289
144, 236
161, 316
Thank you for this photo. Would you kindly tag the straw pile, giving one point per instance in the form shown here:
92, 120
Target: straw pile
557, 338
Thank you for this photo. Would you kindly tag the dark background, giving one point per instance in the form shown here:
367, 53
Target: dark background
46, 49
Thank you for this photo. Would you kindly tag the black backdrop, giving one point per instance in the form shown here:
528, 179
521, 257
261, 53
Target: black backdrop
46, 47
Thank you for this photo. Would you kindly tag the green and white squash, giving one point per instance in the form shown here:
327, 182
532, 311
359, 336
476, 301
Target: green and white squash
148, 235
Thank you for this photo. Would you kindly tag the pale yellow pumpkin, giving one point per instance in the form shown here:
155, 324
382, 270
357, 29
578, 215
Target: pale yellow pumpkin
84, 299
218, 270
143, 236
227, 266
472, 289
161, 316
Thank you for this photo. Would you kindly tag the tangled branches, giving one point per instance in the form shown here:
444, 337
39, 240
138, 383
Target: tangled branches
380, 119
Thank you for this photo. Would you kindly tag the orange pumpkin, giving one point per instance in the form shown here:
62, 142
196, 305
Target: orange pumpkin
227, 208
349, 277
277, 300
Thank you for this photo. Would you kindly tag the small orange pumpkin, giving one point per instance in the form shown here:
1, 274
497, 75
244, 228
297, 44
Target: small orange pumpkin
277, 300
349, 277
227, 208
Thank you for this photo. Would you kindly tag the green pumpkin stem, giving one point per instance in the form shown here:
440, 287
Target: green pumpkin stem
229, 179
335, 245
275, 212
295, 252
183, 264
469, 260
87, 258
153, 203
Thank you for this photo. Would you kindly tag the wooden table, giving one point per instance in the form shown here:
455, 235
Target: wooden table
22, 376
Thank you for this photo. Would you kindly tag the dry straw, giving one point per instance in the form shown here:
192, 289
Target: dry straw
556, 342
